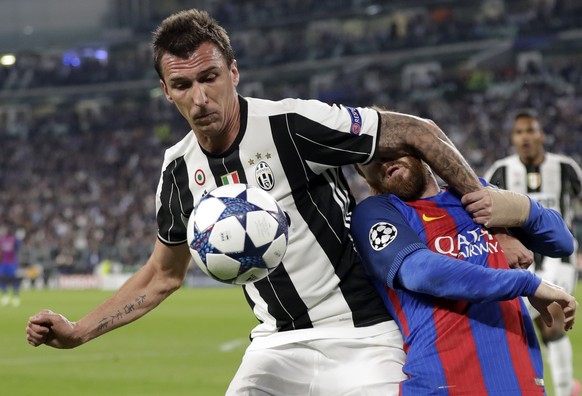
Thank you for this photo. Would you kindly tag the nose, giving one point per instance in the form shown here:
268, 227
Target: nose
199, 95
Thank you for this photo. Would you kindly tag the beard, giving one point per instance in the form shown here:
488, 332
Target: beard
410, 185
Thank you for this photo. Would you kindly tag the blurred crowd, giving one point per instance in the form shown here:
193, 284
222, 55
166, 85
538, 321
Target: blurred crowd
264, 34
78, 174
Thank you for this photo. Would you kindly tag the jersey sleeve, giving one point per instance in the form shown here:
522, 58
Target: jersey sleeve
332, 135
545, 232
383, 237
171, 199
431, 273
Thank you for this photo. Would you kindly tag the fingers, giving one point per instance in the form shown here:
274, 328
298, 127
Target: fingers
570, 314
546, 317
478, 204
39, 327
36, 334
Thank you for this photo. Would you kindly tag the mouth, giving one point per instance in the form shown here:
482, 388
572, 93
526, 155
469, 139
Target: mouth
392, 170
203, 118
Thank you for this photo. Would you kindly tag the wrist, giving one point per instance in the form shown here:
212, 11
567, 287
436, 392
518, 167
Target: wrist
509, 209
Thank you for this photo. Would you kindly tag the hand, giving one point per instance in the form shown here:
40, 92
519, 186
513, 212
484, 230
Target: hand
516, 253
480, 205
47, 327
549, 294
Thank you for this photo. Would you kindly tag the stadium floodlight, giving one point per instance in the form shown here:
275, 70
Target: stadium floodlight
7, 60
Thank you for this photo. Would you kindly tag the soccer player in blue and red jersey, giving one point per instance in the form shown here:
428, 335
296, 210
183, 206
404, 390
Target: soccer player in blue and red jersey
466, 331
9, 246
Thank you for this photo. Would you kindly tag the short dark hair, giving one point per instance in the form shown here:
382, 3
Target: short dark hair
525, 113
182, 33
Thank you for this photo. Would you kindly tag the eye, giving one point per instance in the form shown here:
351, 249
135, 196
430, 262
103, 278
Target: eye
181, 85
210, 77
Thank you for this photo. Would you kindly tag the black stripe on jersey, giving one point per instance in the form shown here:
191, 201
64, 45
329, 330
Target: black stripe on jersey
570, 179
571, 185
171, 227
221, 166
316, 202
498, 177
284, 303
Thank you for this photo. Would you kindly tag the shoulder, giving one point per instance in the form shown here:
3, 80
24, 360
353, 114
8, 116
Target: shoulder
506, 161
510, 161
563, 159
284, 106
309, 108
180, 148
375, 203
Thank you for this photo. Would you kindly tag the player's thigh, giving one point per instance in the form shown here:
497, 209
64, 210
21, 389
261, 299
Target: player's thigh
283, 370
361, 367
348, 367
559, 272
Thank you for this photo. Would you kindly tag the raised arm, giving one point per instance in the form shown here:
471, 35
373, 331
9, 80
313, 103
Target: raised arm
157, 279
403, 134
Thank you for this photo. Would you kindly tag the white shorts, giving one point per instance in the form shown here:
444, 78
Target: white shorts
324, 367
558, 272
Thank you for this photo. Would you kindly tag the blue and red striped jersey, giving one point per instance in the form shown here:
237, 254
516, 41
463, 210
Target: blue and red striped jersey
472, 334
8, 249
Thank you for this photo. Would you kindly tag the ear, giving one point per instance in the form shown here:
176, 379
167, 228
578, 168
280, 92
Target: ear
234, 72
165, 88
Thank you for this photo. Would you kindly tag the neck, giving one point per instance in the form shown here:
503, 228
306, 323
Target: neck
533, 161
432, 188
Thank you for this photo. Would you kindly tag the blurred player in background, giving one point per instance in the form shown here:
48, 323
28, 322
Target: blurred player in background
466, 332
9, 277
556, 181
323, 329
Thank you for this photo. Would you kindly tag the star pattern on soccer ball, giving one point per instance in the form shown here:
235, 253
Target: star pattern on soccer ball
381, 235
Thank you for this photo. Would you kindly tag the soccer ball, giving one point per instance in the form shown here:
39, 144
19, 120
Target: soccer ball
237, 234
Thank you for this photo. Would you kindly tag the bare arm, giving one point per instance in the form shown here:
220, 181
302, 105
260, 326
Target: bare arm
163, 273
403, 134
548, 294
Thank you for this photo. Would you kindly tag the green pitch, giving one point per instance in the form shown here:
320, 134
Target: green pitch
190, 345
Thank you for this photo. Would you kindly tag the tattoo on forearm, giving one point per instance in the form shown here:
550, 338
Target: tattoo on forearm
119, 315
408, 135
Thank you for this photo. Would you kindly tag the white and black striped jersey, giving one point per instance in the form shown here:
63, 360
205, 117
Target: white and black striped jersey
294, 150
556, 183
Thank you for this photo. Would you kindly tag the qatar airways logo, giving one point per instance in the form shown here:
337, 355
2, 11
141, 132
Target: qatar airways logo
476, 242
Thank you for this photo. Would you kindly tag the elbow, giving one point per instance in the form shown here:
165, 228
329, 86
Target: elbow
561, 248
567, 245
173, 284
569, 248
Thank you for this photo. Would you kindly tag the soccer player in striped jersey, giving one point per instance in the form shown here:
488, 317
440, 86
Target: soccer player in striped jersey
322, 328
448, 284
555, 180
